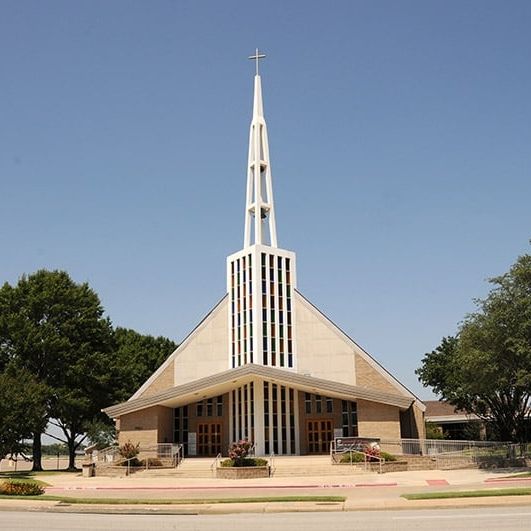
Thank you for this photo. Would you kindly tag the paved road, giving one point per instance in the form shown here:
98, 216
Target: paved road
502, 518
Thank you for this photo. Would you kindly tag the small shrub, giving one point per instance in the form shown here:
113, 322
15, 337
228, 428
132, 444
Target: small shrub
388, 457
129, 450
356, 458
133, 461
247, 461
151, 462
20, 488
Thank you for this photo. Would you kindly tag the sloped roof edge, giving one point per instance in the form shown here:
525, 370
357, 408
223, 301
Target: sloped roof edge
268, 373
175, 353
380, 368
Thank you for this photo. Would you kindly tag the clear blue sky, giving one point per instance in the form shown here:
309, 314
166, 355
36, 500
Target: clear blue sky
400, 143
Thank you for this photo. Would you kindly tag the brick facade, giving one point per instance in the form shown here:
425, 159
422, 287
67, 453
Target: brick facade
378, 420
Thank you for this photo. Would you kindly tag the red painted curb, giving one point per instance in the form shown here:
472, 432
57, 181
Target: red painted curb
229, 487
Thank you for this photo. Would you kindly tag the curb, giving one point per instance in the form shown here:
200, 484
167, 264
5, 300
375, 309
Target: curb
264, 507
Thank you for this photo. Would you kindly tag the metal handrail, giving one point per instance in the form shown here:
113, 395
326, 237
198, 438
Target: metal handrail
214, 464
271, 464
178, 455
367, 458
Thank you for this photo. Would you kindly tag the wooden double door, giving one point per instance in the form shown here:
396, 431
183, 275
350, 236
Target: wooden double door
209, 439
320, 433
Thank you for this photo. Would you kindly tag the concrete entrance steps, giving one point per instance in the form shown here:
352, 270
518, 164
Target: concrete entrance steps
311, 465
191, 467
283, 466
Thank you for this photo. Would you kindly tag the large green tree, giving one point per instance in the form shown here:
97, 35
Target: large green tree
23, 405
137, 356
54, 329
486, 368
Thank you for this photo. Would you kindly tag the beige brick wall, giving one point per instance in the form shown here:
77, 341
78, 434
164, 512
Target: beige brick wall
165, 380
419, 421
147, 427
367, 376
165, 425
378, 420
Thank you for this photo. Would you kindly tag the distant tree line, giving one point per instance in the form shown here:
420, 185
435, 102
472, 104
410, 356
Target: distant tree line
62, 361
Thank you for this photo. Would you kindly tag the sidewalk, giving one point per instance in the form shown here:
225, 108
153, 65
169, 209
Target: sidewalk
362, 492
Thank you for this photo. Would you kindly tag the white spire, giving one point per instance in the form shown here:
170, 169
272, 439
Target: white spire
259, 211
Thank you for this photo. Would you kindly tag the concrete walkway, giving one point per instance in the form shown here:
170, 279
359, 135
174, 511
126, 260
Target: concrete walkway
368, 491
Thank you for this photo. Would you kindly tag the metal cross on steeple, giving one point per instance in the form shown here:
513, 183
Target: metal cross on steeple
257, 56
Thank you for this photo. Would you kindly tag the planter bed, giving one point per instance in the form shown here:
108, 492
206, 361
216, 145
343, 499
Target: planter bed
243, 472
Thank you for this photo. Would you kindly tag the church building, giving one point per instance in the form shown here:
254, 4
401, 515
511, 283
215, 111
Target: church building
265, 364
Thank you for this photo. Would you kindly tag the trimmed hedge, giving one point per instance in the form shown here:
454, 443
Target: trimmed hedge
359, 458
247, 461
20, 488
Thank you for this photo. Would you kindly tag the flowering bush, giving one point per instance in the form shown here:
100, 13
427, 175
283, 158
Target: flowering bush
238, 456
129, 451
238, 451
372, 452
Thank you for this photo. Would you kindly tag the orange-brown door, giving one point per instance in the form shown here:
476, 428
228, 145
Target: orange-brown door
209, 439
320, 434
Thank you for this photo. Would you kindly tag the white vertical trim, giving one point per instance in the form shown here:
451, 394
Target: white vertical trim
270, 414
298, 427
288, 420
259, 417
236, 414
231, 419
279, 419
248, 411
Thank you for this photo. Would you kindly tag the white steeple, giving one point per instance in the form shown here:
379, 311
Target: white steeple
260, 226
261, 278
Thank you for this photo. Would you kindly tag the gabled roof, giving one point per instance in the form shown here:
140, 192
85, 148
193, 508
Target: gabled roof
227, 380
138, 393
362, 352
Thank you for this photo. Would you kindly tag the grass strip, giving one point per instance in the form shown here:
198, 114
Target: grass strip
525, 491
169, 501
520, 475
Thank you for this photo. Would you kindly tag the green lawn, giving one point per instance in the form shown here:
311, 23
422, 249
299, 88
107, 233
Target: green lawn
191, 501
525, 491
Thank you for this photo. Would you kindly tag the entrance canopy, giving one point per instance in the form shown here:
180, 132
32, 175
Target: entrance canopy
225, 381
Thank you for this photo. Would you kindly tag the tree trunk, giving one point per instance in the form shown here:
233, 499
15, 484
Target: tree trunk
37, 453
71, 454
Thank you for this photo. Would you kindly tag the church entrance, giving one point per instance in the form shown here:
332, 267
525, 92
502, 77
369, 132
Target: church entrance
320, 434
209, 439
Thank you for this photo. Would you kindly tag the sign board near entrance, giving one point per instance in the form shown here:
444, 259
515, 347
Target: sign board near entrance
192, 443
354, 443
